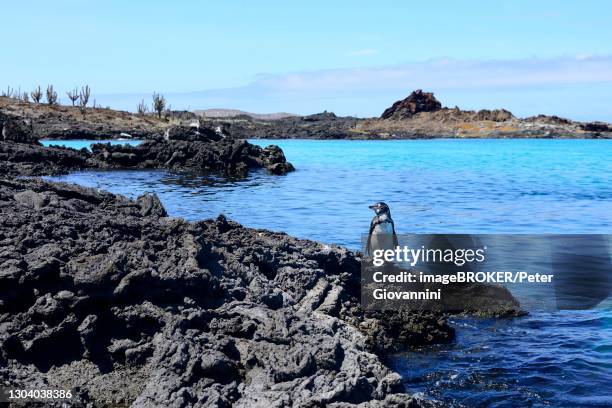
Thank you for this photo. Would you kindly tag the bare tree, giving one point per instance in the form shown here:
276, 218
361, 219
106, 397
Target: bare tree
142, 108
36, 94
51, 95
84, 97
159, 103
25, 97
73, 95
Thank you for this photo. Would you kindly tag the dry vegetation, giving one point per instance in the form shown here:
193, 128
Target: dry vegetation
52, 119
60, 121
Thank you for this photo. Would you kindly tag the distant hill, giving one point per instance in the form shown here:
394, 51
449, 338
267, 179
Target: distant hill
230, 113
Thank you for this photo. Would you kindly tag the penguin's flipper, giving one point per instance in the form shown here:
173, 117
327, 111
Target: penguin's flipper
372, 225
395, 242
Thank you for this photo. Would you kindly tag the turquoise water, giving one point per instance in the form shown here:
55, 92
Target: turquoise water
460, 186
86, 144
446, 186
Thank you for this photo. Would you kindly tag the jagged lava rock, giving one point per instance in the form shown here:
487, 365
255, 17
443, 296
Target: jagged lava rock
16, 129
198, 132
181, 148
233, 157
30, 159
110, 297
417, 101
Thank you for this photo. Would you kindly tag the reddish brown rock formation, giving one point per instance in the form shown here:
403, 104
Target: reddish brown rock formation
417, 101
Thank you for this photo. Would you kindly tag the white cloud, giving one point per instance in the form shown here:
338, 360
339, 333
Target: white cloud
449, 74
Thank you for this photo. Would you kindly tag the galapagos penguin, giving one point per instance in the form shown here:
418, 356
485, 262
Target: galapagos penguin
382, 229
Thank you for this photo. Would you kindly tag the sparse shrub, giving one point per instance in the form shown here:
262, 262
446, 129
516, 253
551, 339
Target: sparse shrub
25, 97
51, 95
73, 95
142, 108
36, 94
84, 97
159, 103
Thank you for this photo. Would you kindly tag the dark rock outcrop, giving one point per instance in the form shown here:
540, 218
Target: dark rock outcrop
597, 127
318, 117
211, 152
16, 129
193, 133
87, 132
417, 101
232, 157
127, 306
33, 159
550, 120
324, 125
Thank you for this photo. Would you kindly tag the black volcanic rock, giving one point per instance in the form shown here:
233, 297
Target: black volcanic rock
596, 127
109, 297
33, 159
317, 117
228, 156
417, 101
16, 129
211, 152
324, 125
552, 120
192, 133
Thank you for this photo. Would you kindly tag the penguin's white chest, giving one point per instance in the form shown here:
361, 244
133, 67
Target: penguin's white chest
383, 228
382, 237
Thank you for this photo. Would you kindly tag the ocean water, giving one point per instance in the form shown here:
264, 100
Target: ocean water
436, 186
85, 144
540, 360
444, 186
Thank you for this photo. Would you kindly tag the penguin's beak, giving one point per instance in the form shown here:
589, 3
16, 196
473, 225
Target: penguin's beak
372, 207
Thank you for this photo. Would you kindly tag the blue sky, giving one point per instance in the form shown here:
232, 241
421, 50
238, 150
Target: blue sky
351, 57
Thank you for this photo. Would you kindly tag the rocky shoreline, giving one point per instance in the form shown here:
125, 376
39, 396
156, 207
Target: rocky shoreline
127, 306
418, 116
130, 307
178, 148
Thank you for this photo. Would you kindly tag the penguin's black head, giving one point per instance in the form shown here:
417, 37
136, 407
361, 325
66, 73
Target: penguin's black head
380, 208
